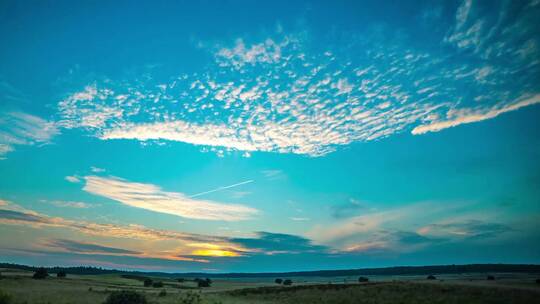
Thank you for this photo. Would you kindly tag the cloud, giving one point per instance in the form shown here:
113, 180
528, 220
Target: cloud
73, 179
465, 116
283, 94
390, 229
97, 170
18, 128
470, 229
71, 204
299, 219
151, 197
87, 248
279, 243
268, 51
348, 209
273, 174
187, 246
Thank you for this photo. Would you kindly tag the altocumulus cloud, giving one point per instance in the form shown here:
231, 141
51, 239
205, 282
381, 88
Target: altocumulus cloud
151, 197
283, 95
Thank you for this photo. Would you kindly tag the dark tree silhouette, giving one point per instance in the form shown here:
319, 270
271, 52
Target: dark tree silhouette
203, 282
148, 282
278, 281
287, 282
61, 274
431, 277
41, 273
490, 278
363, 280
158, 284
181, 280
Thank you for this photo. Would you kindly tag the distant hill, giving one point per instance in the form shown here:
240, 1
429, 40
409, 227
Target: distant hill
399, 270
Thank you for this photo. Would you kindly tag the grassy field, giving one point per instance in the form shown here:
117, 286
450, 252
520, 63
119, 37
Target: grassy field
508, 288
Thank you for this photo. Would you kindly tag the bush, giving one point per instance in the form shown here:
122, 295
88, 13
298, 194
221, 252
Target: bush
537, 281
5, 298
181, 280
41, 273
431, 277
287, 282
157, 284
61, 274
278, 281
490, 278
363, 280
148, 282
162, 293
125, 297
203, 282
191, 298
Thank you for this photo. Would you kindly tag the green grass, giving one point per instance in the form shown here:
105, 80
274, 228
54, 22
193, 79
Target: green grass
94, 289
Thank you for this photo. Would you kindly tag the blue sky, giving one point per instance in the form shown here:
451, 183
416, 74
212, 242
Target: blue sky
241, 136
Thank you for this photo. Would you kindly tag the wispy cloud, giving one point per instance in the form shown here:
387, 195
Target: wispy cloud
86, 248
97, 170
71, 204
185, 246
475, 229
18, 128
151, 197
466, 116
73, 179
273, 174
299, 219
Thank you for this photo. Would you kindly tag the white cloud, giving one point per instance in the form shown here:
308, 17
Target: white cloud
71, 204
299, 219
72, 179
97, 170
151, 197
279, 97
465, 116
17, 128
240, 55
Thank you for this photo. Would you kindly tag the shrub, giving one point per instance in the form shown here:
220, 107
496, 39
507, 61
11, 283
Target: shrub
41, 273
537, 281
125, 297
431, 277
181, 280
5, 298
278, 281
191, 298
287, 282
148, 282
490, 278
158, 284
162, 293
90, 288
363, 280
203, 282
61, 274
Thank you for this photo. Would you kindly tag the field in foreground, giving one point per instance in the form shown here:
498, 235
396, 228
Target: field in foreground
95, 288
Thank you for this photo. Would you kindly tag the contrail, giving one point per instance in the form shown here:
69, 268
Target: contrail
223, 188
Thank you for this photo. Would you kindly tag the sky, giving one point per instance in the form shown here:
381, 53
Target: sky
256, 136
